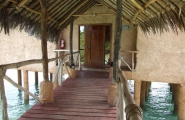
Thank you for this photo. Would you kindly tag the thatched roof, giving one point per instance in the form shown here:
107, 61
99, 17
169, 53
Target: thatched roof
150, 15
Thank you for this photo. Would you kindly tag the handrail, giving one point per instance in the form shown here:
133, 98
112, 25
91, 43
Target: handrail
3, 69
133, 60
133, 111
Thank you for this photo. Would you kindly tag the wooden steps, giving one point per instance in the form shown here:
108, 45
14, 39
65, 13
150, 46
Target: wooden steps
82, 98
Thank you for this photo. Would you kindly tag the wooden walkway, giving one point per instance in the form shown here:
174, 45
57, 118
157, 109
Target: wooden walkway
82, 98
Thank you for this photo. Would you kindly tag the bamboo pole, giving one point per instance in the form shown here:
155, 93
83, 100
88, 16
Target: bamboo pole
118, 31
19, 77
26, 86
21, 88
2, 95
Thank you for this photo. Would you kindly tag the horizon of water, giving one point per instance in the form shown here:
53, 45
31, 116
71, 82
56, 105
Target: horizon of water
158, 105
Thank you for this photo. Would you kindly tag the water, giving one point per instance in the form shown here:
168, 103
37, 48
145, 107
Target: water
158, 105
15, 97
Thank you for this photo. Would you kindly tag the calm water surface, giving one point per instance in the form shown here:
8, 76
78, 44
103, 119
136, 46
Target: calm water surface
158, 105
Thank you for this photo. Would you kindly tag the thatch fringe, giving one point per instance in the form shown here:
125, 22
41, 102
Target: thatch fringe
26, 24
4, 21
168, 20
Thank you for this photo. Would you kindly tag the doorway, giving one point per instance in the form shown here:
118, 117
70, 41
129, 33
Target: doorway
95, 45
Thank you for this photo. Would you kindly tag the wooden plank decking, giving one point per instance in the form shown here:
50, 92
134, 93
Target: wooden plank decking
82, 98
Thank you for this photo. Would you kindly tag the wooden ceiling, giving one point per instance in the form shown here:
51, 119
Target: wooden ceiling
150, 15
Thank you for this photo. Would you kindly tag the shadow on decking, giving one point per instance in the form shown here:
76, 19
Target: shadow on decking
82, 98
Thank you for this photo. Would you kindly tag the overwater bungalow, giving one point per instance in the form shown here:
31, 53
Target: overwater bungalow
142, 40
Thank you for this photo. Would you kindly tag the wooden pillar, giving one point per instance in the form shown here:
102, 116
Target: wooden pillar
46, 86
26, 86
117, 42
148, 84
176, 96
36, 78
51, 77
2, 95
181, 102
19, 77
143, 89
71, 43
137, 91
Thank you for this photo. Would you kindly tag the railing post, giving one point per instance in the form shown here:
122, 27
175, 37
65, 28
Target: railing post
2, 94
133, 61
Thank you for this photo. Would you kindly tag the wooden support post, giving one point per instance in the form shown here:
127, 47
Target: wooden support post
19, 77
71, 43
72, 65
46, 86
51, 77
176, 96
36, 78
143, 89
137, 91
148, 84
2, 95
118, 32
55, 82
181, 102
26, 86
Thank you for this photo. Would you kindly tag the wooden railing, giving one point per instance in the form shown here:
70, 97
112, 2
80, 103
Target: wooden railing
132, 68
3, 69
133, 111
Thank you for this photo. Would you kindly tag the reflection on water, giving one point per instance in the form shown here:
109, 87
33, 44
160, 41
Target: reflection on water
158, 105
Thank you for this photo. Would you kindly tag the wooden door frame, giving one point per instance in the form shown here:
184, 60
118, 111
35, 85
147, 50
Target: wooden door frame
111, 41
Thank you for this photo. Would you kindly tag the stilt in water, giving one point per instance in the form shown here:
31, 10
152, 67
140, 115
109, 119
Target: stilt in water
19, 76
36, 78
143, 89
181, 102
176, 96
137, 91
26, 86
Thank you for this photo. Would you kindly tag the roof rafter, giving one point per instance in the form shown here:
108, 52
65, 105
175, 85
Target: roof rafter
85, 1
22, 4
141, 8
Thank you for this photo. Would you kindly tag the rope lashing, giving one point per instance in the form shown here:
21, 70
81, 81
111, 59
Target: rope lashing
133, 109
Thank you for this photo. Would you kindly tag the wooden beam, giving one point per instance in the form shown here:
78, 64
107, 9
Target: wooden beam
4, 3
94, 14
102, 2
85, 1
44, 38
140, 8
21, 88
29, 9
22, 3
118, 32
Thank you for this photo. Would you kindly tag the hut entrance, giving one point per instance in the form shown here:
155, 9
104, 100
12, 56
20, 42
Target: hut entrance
95, 45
